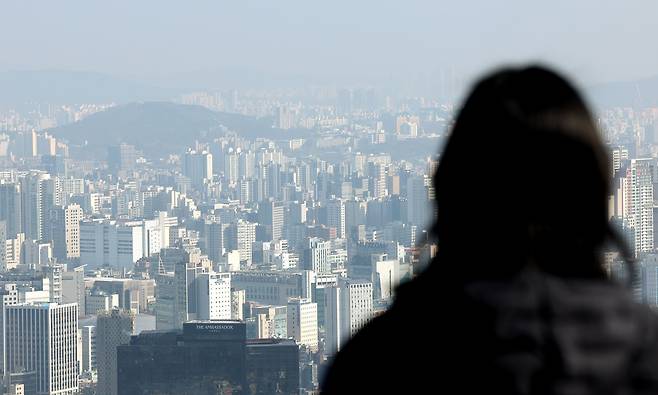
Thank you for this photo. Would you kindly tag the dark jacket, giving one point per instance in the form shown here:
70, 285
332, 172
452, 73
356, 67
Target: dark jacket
530, 334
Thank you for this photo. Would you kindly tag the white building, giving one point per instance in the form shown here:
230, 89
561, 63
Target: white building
53, 328
117, 243
303, 322
348, 307
316, 256
214, 296
637, 203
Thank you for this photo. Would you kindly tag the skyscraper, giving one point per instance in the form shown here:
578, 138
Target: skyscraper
113, 328
271, 215
417, 201
3, 246
336, 216
348, 307
35, 204
65, 231
43, 338
198, 167
303, 322
638, 204
88, 348
316, 256
10, 208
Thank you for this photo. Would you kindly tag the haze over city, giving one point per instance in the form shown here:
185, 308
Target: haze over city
217, 197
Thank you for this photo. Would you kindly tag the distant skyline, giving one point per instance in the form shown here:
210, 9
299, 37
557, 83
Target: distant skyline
252, 44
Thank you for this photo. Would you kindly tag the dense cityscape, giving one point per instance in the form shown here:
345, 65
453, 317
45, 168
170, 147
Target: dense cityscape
235, 264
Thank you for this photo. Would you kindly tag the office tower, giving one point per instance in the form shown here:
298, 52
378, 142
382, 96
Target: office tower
117, 244
10, 208
348, 307
3, 246
113, 328
302, 322
165, 301
638, 204
198, 167
246, 164
225, 362
418, 209
243, 235
8, 297
271, 215
377, 179
73, 288
336, 217
231, 167
121, 159
316, 256
215, 233
65, 231
51, 327
214, 296
88, 362
36, 204
176, 298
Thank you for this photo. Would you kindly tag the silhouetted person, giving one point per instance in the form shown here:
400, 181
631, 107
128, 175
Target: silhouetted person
516, 300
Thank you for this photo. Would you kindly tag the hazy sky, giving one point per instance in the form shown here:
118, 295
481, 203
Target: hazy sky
355, 41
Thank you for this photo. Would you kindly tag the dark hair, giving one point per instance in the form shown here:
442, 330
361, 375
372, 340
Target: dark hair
523, 180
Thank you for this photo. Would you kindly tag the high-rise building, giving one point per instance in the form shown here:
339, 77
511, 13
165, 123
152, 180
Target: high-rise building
243, 235
316, 256
8, 297
303, 322
637, 201
197, 166
65, 231
73, 288
215, 234
271, 215
418, 209
113, 328
348, 307
214, 296
11, 208
88, 343
121, 159
336, 216
118, 243
43, 338
3, 246
36, 204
